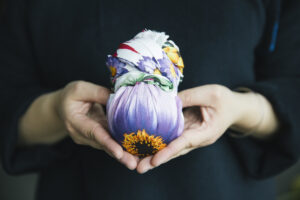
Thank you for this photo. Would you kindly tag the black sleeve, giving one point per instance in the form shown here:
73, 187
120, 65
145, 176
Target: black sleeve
19, 86
278, 79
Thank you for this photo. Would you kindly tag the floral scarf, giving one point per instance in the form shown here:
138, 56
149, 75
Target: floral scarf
144, 112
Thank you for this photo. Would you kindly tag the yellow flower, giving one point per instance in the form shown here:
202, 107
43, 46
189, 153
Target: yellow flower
180, 64
170, 49
175, 57
156, 71
172, 70
113, 71
142, 144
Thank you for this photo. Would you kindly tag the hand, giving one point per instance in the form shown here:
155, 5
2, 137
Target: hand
79, 107
216, 109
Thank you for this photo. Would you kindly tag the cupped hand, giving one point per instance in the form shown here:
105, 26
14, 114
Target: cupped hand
210, 110
79, 106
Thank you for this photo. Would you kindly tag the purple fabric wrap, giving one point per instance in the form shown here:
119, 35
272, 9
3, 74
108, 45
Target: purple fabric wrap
142, 116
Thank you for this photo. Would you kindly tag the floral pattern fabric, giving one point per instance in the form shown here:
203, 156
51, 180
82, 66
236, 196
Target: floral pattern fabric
144, 112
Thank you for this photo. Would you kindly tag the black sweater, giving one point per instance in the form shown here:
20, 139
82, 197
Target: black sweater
46, 44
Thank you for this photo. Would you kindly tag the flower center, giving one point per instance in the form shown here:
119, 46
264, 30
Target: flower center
142, 144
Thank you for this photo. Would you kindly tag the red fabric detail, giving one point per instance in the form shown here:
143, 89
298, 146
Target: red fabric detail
125, 46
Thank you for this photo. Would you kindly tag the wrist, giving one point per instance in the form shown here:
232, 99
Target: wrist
41, 124
57, 121
249, 112
256, 115
55, 104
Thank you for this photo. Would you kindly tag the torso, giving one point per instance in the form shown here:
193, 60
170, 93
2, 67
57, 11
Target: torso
217, 40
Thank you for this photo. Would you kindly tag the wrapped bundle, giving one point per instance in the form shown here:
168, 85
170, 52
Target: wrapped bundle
144, 112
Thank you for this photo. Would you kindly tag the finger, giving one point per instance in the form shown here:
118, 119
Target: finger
129, 161
105, 140
181, 153
95, 145
192, 115
137, 159
204, 113
81, 140
96, 113
85, 91
198, 96
145, 165
201, 125
93, 130
190, 139
172, 149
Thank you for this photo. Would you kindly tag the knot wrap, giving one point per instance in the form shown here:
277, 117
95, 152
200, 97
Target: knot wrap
144, 112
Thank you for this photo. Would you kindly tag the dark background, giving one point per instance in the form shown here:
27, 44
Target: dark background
22, 187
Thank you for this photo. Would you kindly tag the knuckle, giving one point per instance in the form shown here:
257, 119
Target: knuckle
74, 87
102, 93
70, 85
77, 85
216, 93
104, 139
90, 135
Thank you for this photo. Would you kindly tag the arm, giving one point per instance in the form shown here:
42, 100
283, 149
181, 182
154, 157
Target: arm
41, 123
69, 112
279, 84
35, 120
257, 118
212, 109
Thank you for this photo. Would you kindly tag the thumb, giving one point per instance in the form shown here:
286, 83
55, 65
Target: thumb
95, 132
198, 96
85, 91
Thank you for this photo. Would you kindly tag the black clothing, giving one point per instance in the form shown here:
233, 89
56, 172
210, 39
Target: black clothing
46, 44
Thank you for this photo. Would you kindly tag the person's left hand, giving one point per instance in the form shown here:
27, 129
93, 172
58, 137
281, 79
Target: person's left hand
215, 109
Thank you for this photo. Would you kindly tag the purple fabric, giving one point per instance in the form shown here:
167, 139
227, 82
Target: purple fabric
145, 106
117, 64
165, 70
143, 115
147, 64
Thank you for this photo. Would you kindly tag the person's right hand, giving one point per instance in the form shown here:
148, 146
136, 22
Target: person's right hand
78, 106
